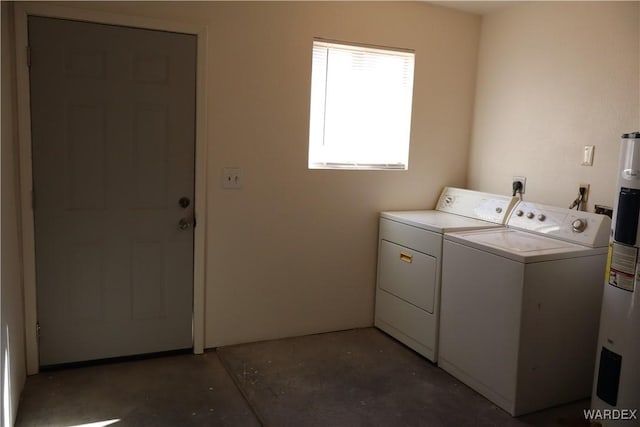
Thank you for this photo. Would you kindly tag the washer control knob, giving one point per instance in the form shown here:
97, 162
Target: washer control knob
578, 225
541, 217
499, 209
519, 213
530, 215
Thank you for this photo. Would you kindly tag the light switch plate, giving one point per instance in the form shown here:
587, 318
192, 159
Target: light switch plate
587, 156
231, 178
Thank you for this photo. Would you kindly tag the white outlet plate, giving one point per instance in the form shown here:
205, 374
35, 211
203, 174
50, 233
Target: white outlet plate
585, 199
523, 180
231, 178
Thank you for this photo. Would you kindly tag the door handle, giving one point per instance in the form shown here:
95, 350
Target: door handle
406, 257
185, 223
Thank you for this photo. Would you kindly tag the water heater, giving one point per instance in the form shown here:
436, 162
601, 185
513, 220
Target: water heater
616, 389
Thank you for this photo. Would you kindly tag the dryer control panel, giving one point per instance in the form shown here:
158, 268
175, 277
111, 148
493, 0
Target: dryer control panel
584, 228
475, 204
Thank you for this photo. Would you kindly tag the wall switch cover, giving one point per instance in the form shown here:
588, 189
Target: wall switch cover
231, 178
587, 156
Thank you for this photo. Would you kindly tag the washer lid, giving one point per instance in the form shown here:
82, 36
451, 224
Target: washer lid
438, 222
521, 246
510, 240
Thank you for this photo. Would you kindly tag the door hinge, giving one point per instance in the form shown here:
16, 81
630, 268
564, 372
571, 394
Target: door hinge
28, 56
33, 200
38, 331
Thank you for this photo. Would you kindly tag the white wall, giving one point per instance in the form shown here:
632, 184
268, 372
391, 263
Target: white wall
553, 77
12, 319
294, 251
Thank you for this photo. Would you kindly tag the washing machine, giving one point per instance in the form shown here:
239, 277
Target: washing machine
520, 306
409, 262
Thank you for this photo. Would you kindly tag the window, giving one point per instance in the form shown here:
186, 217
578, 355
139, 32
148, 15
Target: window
360, 107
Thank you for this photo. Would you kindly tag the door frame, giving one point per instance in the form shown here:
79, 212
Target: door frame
21, 13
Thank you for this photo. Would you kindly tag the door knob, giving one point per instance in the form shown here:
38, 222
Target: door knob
185, 223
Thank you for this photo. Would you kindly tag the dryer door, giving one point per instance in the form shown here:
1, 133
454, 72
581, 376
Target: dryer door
408, 274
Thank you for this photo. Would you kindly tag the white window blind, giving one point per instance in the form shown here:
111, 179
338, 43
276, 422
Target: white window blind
360, 107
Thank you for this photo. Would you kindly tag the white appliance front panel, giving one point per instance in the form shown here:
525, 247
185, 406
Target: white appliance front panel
407, 298
510, 330
479, 321
410, 325
409, 275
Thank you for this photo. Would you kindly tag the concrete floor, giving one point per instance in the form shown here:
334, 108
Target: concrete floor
351, 378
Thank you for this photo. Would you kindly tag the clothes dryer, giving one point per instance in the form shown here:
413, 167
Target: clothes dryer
520, 306
409, 262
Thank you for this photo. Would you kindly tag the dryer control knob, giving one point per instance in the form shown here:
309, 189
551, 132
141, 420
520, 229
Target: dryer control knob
578, 225
530, 215
519, 213
541, 217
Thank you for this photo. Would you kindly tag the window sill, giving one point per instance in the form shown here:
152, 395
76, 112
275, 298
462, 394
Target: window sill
360, 166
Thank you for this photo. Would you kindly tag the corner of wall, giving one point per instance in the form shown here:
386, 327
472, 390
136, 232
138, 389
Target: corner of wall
13, 363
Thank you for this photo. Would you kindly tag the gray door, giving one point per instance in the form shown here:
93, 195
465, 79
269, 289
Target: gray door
113, 116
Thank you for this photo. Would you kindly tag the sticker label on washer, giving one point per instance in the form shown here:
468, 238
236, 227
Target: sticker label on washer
622, 272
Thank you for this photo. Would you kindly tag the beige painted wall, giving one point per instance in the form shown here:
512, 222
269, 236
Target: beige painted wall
553, 77
12, 322
294, 251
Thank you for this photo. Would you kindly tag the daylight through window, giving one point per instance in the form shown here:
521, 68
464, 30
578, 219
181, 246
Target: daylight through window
360, 107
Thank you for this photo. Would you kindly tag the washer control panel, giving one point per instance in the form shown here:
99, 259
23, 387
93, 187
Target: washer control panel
579, 227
